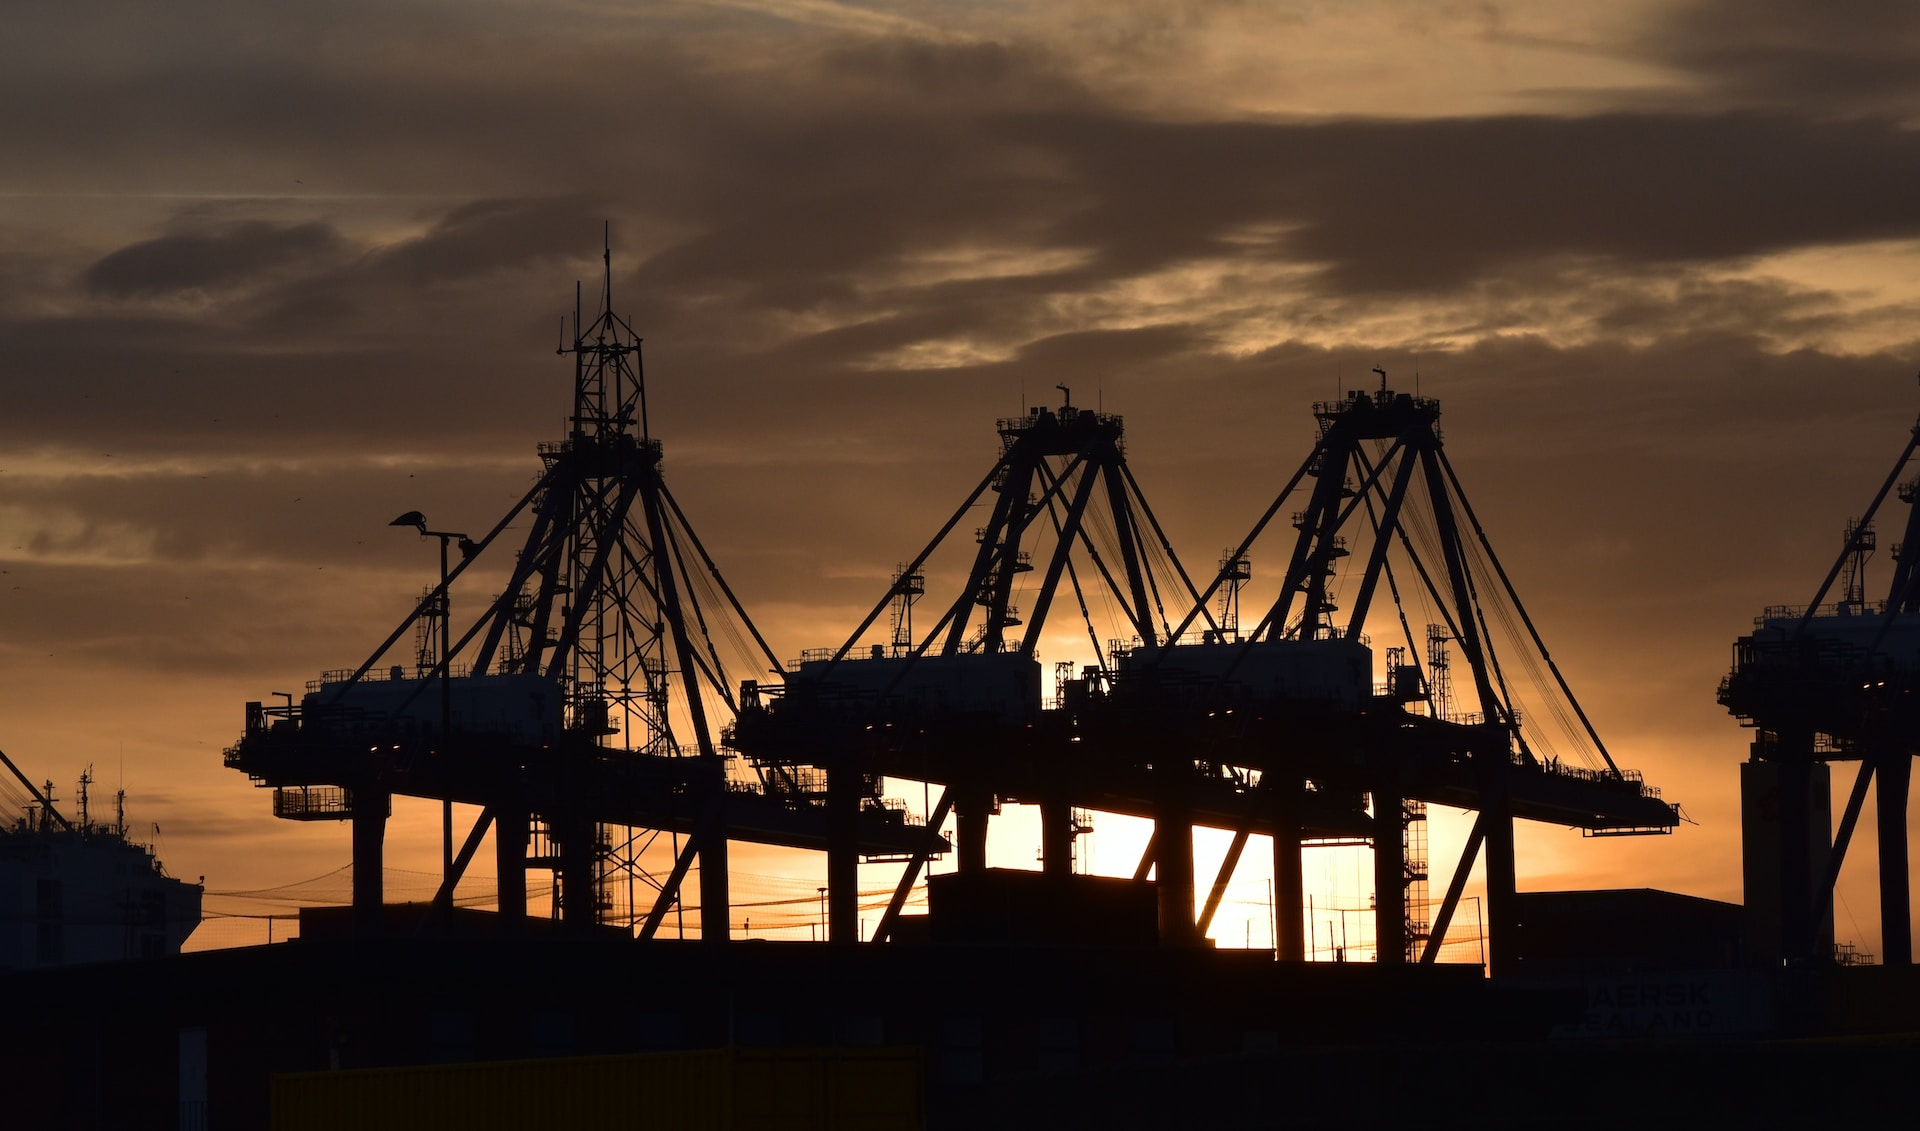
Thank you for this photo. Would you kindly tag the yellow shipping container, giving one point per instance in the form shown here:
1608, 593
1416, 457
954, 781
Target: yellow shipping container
705, 1090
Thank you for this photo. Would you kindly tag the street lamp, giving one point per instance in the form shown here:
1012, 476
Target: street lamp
467, 549
823, 914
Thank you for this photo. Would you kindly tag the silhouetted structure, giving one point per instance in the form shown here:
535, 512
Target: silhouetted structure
1278, 730
581, 708
1384, 497
961, 704
79, 891
1823, 683
595, 695
1624, 931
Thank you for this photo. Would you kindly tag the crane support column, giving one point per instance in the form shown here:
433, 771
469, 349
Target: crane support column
1796, 867
1784, 813
510, 866
1289, 885
843, 850
1896, 923
716, 902
1173, 834
1056, 835
574, 837
1502, 881
970, 814
1389, 877
369, 857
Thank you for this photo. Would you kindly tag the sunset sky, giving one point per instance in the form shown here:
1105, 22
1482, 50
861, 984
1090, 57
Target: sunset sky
273, 274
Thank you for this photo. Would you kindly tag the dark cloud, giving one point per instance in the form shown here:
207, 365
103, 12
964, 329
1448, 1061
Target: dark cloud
797, 184
207, 260
306, 342
1688, 306
1382, 206
973, 78
477, 287
1811, 57
153, 386
226, 512
1410, 206
1092, 353
487, 236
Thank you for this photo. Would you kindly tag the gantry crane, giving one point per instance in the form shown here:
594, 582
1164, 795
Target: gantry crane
1831, 682
1279, 730
581, 708
1293, 698
961, 704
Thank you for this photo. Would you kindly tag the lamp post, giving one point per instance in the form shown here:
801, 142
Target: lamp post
823, 914
419, 521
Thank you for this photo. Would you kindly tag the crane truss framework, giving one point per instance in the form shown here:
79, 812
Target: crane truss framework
1065, 518
587, 698
1385, 507
1292, 700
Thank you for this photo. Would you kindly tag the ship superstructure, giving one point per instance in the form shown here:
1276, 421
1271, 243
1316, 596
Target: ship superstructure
77, 891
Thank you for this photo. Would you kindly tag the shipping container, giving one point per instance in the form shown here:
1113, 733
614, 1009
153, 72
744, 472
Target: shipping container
524, 708
998, 685
1334, 673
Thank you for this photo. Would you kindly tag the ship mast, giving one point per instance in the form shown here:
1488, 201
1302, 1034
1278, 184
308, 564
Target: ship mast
44, 799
